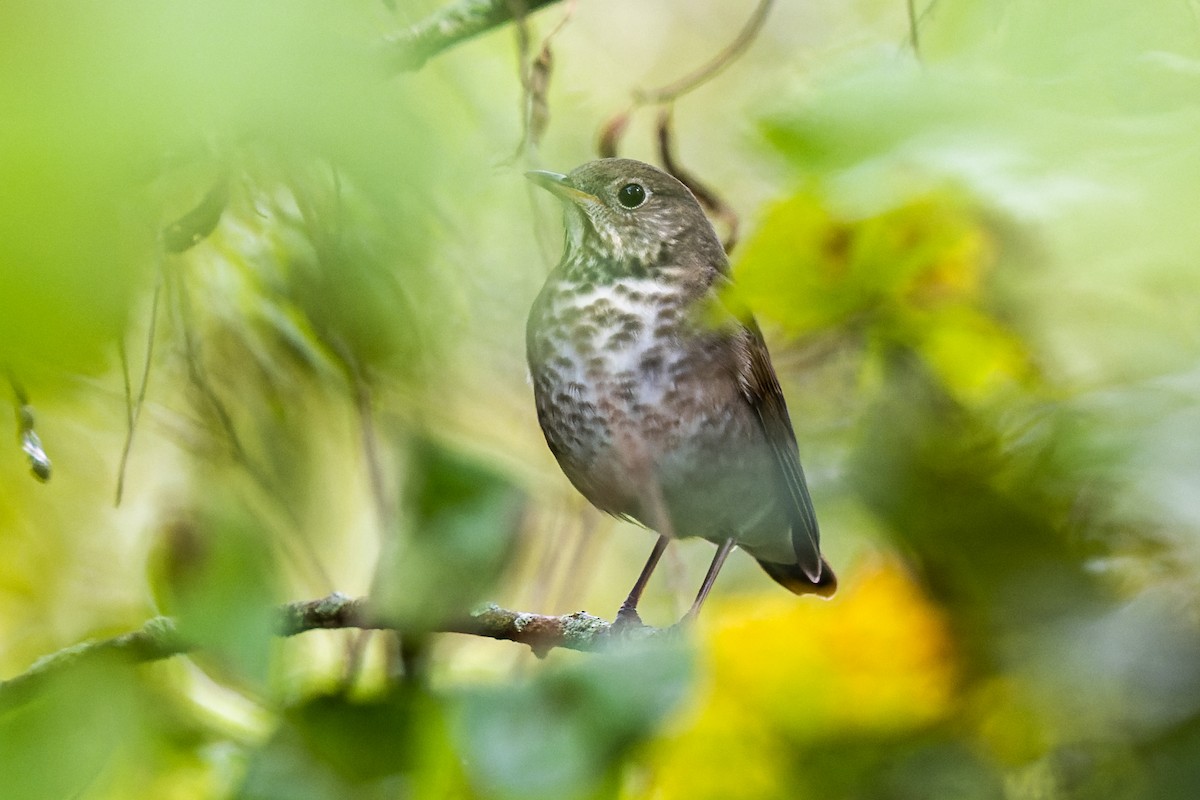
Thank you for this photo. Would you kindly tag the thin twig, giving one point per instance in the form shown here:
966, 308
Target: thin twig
608, 143
518, 11
675, 89
124, 359
707, 197
302, 555
160, 637
913, 35
536, 117
535, 83
199, 379
613, 130
133, 408
370, 443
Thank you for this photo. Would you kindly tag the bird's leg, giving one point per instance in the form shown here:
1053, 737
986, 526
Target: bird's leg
709, 579
631, 449
628, 614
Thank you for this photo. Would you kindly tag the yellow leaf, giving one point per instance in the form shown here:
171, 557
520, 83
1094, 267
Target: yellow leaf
972, 354
808, 269
878, 658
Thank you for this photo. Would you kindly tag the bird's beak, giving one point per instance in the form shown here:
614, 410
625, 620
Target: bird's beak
559, 186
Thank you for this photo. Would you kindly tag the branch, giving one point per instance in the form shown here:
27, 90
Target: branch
448, 26
157, 639
160, 638
673, 91
707, 197
133, 408
614, 129
914, 35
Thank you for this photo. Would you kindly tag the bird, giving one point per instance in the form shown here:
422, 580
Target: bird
655, 393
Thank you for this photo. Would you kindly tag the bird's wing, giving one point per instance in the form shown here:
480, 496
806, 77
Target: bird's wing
762, 391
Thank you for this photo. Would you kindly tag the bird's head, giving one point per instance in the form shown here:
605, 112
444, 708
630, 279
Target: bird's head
632, 215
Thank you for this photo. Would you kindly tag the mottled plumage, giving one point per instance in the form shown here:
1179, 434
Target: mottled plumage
660, 404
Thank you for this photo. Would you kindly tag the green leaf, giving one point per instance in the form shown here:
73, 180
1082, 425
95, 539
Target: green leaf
334, 747
62, 741
215, 573
809, 267
462, 519
564, 733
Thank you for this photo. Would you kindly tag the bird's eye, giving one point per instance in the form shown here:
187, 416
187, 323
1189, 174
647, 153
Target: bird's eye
631, 195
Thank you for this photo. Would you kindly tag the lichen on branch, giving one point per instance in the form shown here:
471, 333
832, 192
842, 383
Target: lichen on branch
446, 27
160, 638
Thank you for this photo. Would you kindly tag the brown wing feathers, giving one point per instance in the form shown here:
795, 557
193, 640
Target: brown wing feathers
763, 391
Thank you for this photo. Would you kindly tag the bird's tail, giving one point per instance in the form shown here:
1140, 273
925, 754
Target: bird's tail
792, 578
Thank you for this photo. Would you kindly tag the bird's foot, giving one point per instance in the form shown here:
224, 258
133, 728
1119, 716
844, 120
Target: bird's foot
627, 619
686, 622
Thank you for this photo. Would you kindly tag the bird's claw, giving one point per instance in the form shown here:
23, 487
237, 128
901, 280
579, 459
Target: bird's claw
627, 619
687, 621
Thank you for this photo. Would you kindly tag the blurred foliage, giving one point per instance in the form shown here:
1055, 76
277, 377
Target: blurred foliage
911, 276
977, 264
216, 576
565, 733
58, 745
461, 528
877, 670
332, 746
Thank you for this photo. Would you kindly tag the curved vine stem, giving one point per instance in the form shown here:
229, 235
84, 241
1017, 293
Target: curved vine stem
133, 407
676, 89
